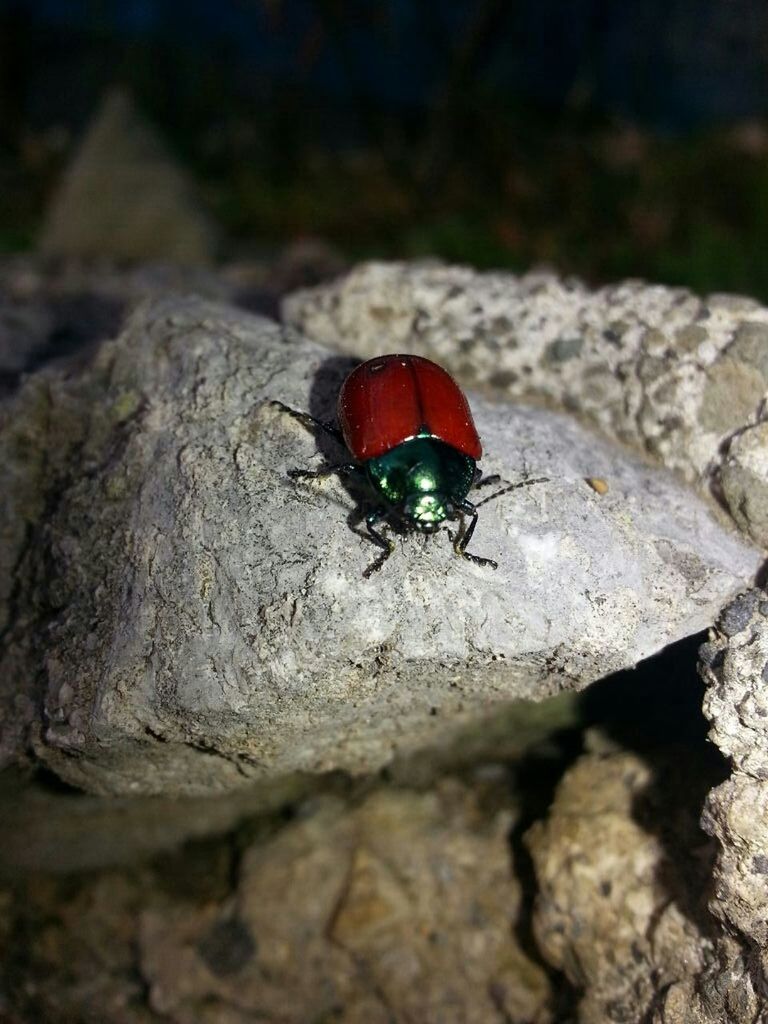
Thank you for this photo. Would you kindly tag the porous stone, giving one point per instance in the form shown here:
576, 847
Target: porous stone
658, 368
398, 911
646, 917
182, 617
744, 480
622, 870
395, 909
734, 666
735, 669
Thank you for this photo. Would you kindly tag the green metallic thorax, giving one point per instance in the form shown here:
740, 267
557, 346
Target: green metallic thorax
422, 479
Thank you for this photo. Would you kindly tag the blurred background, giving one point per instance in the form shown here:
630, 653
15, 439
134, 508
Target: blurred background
605, 138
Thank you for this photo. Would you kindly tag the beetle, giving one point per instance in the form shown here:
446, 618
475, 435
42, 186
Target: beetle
409, 429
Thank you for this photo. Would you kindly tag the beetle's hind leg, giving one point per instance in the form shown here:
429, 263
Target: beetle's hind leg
377, 516
310, 421
463, 537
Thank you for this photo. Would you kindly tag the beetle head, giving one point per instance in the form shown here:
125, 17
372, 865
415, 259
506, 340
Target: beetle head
427, 510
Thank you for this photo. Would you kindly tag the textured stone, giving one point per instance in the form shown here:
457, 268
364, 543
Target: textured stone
736, 702
658, 368
647, 918
60, 830
396, 909
744, 480
190, 620
736, 812
621, 870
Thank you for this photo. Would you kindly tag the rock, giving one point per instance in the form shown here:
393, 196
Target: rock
61, 831
744, 480
648, 918
398, 911
53, 309
397, 908
124, 197
189, 620
734, 665
658, 368
622, 869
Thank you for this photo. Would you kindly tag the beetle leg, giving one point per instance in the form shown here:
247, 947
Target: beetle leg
310, 421
378, 538
461, 540
483, 481
513, 487
310, 474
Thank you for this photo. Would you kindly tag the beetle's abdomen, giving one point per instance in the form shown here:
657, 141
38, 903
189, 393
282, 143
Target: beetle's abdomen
392, 398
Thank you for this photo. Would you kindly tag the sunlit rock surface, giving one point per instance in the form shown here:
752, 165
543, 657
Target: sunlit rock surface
666, 371
182, 617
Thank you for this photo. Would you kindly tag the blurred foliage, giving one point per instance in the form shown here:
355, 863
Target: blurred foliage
600, 201
476, 176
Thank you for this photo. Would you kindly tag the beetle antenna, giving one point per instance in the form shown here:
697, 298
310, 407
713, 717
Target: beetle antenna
513, 487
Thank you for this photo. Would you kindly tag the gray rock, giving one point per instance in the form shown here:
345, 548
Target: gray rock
736, 812
621, 868
60, 830
658, 368
744, 479
394, 909
189, 620
736, 702
125, 197
53, 308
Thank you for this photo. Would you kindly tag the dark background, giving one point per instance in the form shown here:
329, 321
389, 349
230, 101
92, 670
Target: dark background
607, 138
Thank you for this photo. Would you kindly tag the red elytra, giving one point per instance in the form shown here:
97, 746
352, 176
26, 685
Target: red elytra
389, 399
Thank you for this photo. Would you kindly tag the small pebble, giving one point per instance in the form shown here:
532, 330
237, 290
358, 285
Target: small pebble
597, 484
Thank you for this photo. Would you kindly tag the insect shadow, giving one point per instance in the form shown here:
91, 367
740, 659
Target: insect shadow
323, 396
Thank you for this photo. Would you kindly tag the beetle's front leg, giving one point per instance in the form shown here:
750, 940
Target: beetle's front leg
377, 516
310, 421
462, 539
344, 469
484, 481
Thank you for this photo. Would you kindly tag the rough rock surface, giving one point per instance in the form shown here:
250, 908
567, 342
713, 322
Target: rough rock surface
59, 830
734, 664
646, 917
188, 619
685, 378
125, 197
394, 911
51, 308
622, 871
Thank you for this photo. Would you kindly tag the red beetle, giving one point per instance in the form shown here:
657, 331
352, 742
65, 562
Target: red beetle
408, 425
